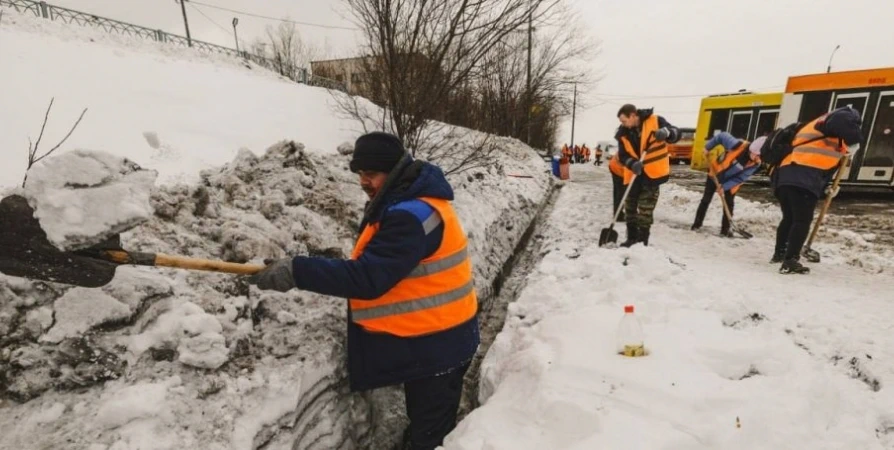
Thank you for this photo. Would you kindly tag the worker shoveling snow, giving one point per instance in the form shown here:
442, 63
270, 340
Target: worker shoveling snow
83, 197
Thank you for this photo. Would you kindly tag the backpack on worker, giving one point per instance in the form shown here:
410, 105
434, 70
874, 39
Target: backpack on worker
779, 145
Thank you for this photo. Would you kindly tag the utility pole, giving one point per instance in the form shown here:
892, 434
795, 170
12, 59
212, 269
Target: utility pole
235, 34
186, 22
530, 99
829, 67
573, 113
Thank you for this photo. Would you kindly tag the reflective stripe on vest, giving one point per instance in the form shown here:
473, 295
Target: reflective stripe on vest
656, 163
811, 148
438, 294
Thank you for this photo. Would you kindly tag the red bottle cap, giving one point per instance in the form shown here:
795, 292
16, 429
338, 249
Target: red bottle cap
628, 309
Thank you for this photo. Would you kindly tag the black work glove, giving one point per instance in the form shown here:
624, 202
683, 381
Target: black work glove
662, 134
636, 166
276, 276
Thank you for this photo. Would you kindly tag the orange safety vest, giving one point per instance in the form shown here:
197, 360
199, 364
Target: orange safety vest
812, 148
730, 158
656, 162
615, 166
598, 151
437, 295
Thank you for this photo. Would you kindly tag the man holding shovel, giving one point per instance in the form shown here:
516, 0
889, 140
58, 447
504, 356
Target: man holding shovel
642, 148
800, 181
737, 162
412, 309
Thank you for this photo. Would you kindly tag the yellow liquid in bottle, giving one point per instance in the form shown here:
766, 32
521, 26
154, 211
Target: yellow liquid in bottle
634, 350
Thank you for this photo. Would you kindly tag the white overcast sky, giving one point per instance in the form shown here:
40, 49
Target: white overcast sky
649, 48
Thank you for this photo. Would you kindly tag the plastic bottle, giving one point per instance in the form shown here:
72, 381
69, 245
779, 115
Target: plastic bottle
630, 334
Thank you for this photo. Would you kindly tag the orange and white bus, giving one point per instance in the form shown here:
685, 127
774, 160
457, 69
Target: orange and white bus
871, 92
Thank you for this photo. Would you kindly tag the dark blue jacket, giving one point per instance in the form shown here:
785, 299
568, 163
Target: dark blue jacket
634, 135
845, 124
378, 359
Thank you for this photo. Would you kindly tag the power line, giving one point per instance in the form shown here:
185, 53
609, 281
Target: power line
260, 16
208, 18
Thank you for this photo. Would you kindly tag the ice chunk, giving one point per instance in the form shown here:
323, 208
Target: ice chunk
83, 197
81, 309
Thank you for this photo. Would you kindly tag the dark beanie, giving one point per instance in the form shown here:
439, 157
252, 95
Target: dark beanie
377, 151
844, 123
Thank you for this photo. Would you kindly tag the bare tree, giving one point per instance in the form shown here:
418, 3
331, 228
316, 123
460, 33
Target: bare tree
33, 149
424, 51
291, 54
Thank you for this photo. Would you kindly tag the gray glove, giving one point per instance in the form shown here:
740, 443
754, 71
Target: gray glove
636, 166
276, 276
662, 134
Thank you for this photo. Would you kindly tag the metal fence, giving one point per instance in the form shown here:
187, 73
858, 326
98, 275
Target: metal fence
70, 16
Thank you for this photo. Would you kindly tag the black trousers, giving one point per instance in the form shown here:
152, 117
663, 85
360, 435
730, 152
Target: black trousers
797, 212
432, 404
707, 196
617, 192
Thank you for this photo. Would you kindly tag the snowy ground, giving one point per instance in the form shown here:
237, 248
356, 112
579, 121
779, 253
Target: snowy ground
248, 168
740, 356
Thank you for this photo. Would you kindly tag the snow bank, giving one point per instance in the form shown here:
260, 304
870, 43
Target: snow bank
740, 357
83, 197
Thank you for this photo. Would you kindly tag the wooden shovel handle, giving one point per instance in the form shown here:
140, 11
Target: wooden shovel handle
181, 262
842, 164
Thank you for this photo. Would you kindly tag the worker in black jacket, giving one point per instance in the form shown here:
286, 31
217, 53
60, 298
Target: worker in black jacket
802, 177
642, 147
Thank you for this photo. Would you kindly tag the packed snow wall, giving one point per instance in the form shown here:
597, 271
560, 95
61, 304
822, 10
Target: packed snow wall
166, 358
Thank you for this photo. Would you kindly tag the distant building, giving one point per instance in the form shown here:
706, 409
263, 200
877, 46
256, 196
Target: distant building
349, 72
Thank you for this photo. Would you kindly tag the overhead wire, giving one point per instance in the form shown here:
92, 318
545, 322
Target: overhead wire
208, 18
261, 16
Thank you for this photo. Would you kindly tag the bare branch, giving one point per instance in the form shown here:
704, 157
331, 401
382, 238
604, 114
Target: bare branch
65, 138
40, 136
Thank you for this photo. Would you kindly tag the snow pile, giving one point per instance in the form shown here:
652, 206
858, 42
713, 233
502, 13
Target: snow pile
83, 197
266, 368
740, 357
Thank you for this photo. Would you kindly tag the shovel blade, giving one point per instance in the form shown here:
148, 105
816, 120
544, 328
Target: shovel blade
26, 252
608, 236
744, 233
811, 255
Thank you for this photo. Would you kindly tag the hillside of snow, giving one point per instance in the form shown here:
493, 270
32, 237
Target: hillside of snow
248, 169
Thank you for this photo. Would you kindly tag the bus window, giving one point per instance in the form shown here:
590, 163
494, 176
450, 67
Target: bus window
766, 122
719, 119
856, 101
880, 147
814, 105
739, 124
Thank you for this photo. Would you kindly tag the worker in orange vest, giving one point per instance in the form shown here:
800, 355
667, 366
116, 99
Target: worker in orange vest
598, 154
642, 145
412, 304
617, 171
566, 153
585, 153
801, 179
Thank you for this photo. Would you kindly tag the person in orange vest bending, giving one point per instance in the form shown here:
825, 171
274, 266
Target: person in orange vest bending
617, 171
739, 160
642, 146
411, 299
801, 178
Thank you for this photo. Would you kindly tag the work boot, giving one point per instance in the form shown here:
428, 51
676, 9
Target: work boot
643, 236
695, 227
793, 266
726, 233
777, 258
632, 235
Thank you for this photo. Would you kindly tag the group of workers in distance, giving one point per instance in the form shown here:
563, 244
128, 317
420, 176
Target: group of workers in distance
579, 154
799, 175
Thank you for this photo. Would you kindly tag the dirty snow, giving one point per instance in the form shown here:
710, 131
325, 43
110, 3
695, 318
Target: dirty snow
741, 357
83, 197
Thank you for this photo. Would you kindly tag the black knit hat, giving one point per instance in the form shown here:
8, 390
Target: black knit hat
377, 151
